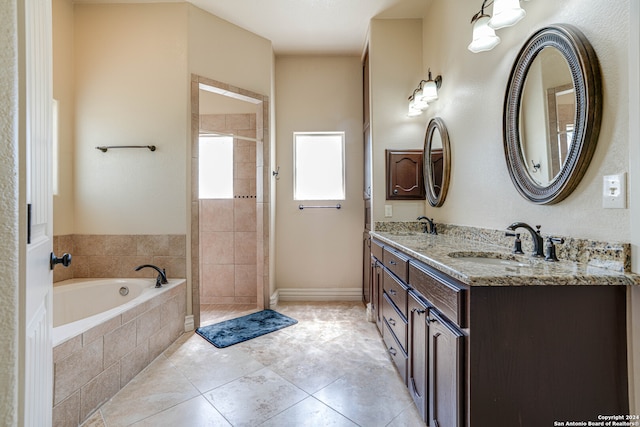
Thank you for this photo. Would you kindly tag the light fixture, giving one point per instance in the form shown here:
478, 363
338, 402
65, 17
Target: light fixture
427, 91
506, 13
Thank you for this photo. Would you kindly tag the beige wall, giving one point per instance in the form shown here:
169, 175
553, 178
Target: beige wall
471, 105
319, 248
395, 51
131, 89
9, 206
63, 92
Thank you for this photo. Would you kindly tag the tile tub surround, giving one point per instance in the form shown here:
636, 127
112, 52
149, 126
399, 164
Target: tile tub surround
92, 367
434, 251
114, 256
610, 255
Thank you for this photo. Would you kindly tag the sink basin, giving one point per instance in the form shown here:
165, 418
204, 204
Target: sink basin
489, 258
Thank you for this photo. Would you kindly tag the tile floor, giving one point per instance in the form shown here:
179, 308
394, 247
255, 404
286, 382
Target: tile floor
330, 369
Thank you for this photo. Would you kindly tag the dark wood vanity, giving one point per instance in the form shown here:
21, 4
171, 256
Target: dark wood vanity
500, 355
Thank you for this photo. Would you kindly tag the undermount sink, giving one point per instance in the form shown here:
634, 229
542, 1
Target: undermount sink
489, 258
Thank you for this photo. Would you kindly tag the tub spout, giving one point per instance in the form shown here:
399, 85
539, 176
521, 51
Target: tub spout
162, 274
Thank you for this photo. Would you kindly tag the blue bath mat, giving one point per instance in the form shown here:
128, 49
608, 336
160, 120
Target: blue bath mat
244, 328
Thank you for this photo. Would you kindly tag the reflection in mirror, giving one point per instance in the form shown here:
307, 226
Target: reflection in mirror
547, 115
552, 113
437, 162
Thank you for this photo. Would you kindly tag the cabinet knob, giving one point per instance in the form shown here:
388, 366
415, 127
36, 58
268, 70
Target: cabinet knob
392, 351
392, 262
392, 322
392, 291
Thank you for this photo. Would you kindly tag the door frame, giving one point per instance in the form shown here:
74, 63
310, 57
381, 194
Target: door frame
263, 187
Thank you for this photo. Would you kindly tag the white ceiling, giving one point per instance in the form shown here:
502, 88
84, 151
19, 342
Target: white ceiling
305, 26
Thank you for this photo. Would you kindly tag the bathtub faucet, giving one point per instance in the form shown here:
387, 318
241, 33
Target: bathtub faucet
162, 274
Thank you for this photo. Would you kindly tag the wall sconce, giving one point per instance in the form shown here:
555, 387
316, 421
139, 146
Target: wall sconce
427, 91
505, 14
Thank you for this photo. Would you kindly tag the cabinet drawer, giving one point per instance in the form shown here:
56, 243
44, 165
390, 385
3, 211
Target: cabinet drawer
396, 291
376, 249
396, 322
395, 350
396, 262
447, 295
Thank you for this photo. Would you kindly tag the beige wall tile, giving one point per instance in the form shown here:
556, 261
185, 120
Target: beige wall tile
238, 121
178, 245
217, 280
67, 348
76, 370
88, 244
99, 390
153, 245
212, 122
120, 245
175, 267
217, 247
245, 248
67, 412
245, 280
119, 342
244, 214
216, 215
101, 329
147, 324
134, 362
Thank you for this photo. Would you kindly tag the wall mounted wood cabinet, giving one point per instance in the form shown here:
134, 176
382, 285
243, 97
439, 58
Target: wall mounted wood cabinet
405, 176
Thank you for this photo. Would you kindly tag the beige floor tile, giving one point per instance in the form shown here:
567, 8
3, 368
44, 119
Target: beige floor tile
196, 412
370, 395
255, 398
212, 367
158, 387
309, 413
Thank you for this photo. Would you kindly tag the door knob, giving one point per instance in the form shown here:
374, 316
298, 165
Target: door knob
65, 260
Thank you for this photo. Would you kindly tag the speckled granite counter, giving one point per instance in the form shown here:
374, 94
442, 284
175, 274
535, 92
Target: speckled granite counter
450, 255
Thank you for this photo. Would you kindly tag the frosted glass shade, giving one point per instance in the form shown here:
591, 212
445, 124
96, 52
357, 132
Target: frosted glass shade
506, 13
429, 91
413, 112
484, 37
418, 103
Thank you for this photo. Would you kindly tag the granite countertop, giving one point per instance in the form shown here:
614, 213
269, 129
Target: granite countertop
500, 266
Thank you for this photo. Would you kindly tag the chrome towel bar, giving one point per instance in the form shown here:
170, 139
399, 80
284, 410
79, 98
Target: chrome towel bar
336, 206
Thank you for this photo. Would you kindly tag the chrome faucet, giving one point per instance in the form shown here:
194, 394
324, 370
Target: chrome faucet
430, 225
162, 274
538, 243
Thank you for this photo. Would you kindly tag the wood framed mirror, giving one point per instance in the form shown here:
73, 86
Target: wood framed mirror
552, 113
437, 162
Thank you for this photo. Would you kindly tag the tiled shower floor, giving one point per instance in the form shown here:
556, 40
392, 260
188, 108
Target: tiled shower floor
330, 369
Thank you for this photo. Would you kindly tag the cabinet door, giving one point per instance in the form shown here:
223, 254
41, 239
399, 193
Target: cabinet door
446, 346
376, 291
417, 363
366, 268
405, 178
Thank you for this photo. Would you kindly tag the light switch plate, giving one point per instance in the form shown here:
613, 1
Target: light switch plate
388, 211
614, 191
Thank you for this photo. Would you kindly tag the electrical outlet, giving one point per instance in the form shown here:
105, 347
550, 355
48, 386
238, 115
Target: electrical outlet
614, 191
388, 211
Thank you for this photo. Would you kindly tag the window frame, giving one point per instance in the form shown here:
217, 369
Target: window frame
343, 177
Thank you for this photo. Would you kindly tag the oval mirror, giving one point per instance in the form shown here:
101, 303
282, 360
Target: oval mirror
436, 162
553, 108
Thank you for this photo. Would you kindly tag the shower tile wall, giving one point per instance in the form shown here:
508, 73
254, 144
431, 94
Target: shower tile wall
228, 238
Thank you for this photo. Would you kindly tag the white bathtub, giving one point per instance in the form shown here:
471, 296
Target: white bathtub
102, 337
81, 304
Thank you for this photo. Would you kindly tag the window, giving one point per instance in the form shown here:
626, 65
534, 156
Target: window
215, 167
319, 166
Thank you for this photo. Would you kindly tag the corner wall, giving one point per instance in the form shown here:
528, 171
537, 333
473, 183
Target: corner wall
471, 100
319, 248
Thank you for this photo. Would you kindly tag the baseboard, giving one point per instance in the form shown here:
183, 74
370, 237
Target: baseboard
317, 294
189, 324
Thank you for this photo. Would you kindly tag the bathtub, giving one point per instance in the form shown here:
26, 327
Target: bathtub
105, 332
81, 304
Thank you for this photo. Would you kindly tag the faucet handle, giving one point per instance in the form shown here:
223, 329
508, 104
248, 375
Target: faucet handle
551, 248
517, 246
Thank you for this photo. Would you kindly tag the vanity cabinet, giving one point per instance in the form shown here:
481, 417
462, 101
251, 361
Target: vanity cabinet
502, 355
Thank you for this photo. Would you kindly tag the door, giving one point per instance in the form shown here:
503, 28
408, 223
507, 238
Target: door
36, 357
445, 373
417, 369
